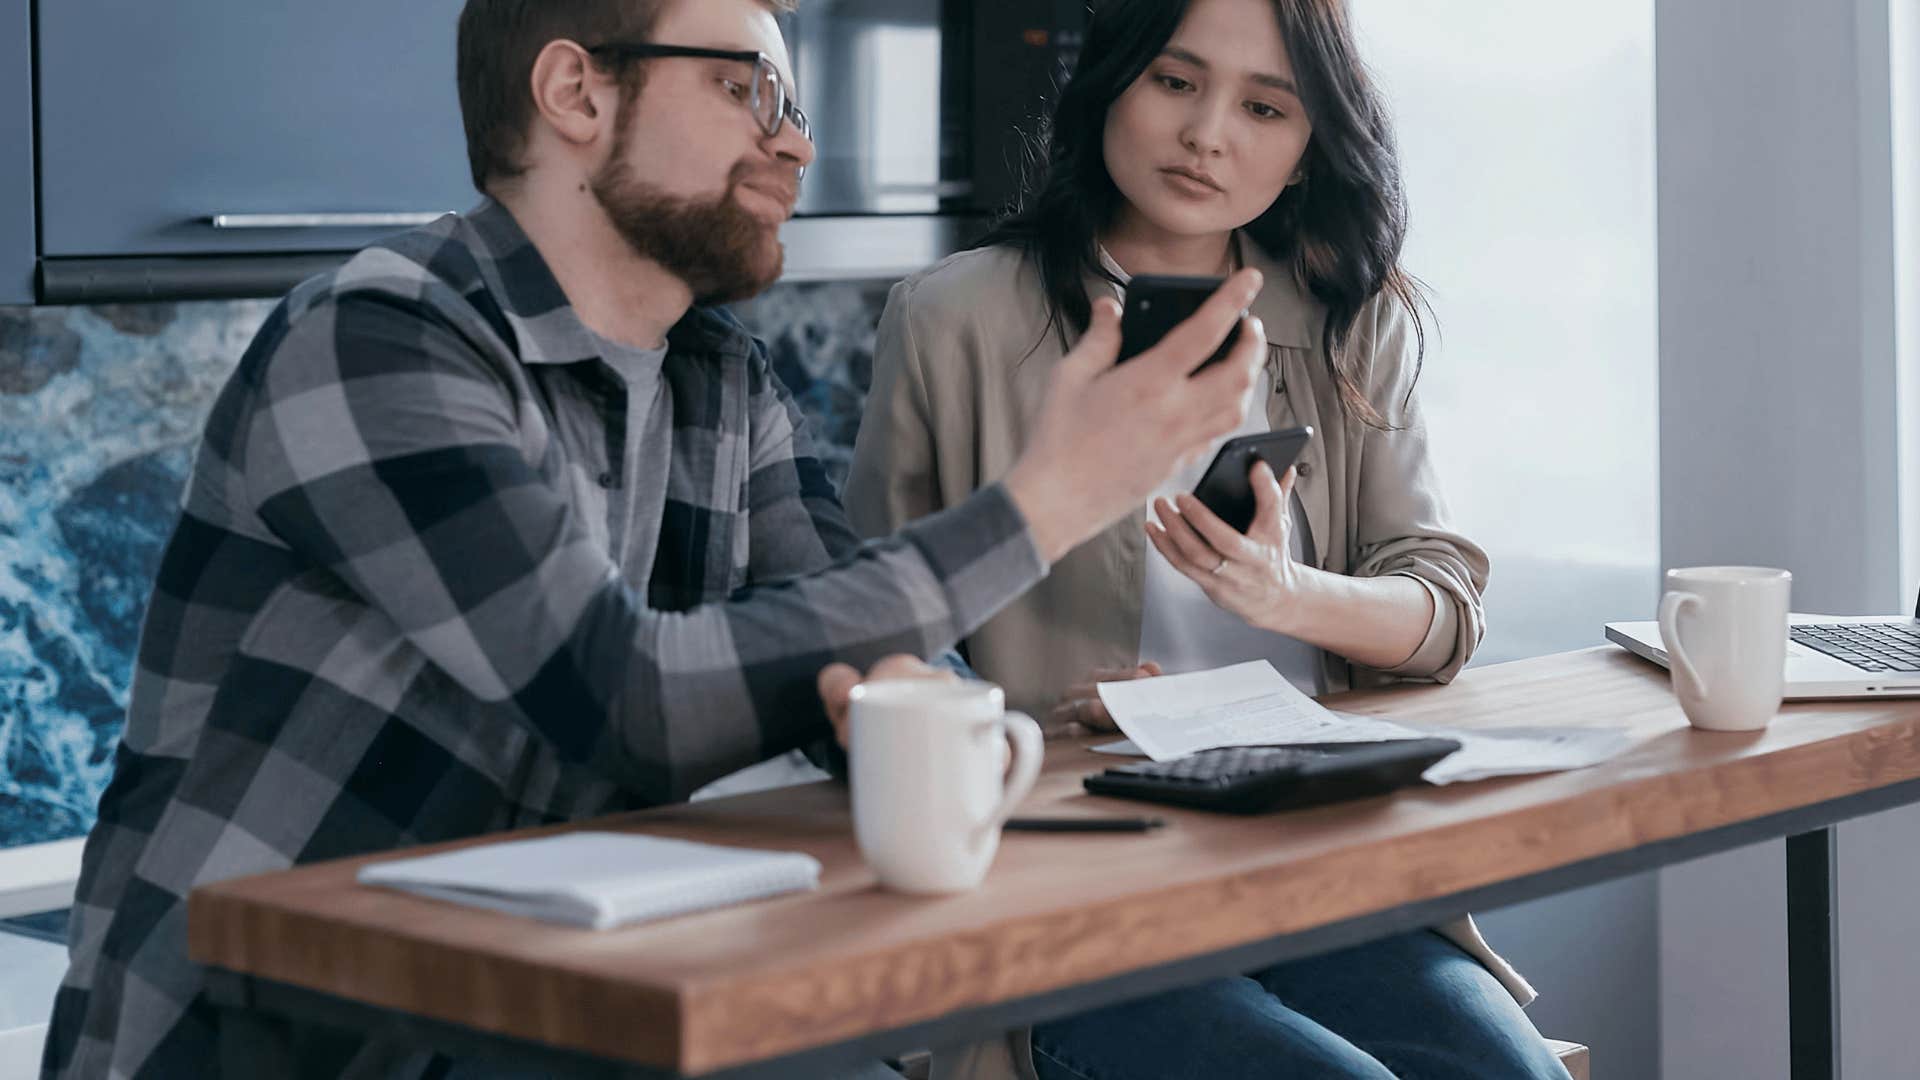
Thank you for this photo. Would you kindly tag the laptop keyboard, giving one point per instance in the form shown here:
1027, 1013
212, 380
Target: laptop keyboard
1867, 646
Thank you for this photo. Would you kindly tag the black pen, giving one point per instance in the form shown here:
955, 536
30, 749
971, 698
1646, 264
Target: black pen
1091, 824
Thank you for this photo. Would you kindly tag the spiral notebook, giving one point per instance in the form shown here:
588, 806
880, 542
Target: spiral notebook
598, 879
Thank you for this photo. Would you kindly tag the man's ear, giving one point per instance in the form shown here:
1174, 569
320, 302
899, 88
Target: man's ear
574, 98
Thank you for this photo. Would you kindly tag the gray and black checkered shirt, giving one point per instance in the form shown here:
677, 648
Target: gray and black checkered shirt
384, 617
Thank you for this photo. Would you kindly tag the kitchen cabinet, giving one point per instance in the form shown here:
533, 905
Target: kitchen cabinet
16, 153
194, 129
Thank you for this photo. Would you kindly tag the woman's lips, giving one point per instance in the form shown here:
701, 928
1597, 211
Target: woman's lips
1188, 182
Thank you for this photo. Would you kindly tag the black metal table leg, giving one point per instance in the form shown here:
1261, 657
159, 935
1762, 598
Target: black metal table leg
1812, 997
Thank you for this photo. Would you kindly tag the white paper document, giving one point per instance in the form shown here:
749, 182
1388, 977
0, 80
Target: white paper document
1251, 704
598, 879
1517, 751
1247, 704
1489, 752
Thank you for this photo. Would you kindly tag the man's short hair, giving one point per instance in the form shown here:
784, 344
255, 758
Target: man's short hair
500, 40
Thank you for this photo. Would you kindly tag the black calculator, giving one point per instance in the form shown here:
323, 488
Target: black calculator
1256, 779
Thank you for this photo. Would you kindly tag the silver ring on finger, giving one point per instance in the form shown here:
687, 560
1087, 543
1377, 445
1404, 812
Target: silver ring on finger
1222, 566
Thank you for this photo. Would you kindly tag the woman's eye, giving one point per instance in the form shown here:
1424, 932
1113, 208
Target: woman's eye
737, 91
1175, 82
1265, 111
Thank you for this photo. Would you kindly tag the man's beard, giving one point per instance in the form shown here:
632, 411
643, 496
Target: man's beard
722, 252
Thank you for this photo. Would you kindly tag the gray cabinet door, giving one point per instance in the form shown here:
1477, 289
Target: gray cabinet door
156, 116
16, 154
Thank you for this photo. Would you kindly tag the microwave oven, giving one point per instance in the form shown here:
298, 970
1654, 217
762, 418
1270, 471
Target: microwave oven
921, 111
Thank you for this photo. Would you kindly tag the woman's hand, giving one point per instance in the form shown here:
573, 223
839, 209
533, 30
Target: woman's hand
1252, 576
1081, 707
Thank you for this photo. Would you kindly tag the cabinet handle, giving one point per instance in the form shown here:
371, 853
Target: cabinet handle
323, 221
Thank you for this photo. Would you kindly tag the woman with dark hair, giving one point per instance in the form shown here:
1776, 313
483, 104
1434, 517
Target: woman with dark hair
1195, 137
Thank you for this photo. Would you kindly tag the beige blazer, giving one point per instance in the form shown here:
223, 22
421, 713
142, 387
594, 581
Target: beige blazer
961, 366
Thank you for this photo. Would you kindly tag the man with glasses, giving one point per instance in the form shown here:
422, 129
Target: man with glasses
503, 524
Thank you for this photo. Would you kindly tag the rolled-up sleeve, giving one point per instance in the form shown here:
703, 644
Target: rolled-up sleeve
1403, 525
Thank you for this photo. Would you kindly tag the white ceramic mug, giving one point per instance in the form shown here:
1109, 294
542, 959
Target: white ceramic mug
1725, 629
931, 779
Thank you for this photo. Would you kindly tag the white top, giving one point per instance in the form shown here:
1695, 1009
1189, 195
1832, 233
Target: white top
1182, 630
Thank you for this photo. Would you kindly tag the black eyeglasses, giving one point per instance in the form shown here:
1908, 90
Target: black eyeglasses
764, 91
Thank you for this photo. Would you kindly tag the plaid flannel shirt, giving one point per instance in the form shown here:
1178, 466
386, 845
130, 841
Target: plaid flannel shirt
381, 621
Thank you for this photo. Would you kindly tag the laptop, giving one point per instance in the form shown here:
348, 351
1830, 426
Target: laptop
1828, 656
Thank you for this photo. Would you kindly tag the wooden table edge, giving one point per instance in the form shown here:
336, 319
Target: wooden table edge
219, 915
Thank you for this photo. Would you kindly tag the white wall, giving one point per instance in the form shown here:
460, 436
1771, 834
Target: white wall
1877, 876
1527, 136
1904, 50
1779, 437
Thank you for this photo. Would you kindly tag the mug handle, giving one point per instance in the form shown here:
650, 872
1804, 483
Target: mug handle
1028, 752
1670, 607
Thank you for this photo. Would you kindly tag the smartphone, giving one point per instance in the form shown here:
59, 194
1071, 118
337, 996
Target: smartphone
1225, 488
1157, 303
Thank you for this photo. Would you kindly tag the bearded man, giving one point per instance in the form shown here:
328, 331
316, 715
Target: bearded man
503, 524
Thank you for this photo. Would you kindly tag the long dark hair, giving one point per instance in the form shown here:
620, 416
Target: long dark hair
1339, 229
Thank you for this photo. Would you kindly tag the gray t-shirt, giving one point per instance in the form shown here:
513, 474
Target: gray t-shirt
633, 519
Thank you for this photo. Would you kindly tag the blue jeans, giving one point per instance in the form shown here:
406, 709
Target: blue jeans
1414, 1007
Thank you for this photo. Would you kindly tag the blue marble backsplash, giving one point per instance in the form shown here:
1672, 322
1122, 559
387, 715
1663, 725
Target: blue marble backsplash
100, 411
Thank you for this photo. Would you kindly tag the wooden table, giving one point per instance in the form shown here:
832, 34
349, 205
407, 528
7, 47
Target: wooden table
1065, 922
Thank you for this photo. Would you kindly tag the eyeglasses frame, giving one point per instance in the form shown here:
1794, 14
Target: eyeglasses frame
788, 111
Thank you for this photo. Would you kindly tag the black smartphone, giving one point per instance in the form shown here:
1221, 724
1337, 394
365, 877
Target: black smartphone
1156, 303
1225, 488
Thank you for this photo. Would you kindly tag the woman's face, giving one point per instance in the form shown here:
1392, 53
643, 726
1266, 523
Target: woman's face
1210, 134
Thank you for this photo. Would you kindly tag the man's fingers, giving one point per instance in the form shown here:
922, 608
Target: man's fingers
1099, 347
1235, 373
836, 685
903, 666
1189, 344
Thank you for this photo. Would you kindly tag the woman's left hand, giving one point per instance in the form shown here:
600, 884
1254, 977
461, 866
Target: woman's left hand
1252, 575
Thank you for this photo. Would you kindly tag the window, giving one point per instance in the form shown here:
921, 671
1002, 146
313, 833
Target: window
1527, 139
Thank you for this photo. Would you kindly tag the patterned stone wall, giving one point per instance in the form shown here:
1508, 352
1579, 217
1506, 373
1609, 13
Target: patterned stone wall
100, 411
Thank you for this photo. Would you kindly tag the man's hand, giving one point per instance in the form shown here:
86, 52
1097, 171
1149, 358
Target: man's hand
1106, 437
838, 680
